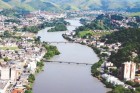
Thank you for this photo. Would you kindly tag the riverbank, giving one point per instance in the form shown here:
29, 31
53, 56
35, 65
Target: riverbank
58, 27
46, 81
108, 74
95, 68
51, 51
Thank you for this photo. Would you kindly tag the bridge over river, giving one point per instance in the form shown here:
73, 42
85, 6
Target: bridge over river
59, 42
78, 63
73, 25
70, 72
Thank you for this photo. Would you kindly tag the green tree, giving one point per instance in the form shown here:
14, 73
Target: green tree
133, 84
31, 78
40, 64
6, 59
7, 33
120, 89
51, 51
15, 28
28, 91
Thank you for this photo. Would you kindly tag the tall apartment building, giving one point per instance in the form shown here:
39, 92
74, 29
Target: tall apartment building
8, 73
128, 70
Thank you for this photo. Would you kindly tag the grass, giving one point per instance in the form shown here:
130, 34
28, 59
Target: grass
4, 5
101, 33
92, 33
134, 14
84, 33
9, 48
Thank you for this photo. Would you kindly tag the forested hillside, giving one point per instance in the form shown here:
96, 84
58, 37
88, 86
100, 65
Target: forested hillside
55, 5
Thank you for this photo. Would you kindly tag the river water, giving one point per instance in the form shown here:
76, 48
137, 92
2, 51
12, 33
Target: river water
68, 78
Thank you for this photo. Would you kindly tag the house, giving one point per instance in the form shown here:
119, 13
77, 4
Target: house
113, 80
99, 44
8, 72
4, 84
108, 64
128, 71
18, 90
32, 66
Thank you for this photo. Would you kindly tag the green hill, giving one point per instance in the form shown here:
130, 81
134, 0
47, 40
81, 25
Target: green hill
55, 5
30, 5
4, 5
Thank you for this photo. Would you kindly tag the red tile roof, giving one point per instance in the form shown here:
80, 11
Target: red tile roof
18, 91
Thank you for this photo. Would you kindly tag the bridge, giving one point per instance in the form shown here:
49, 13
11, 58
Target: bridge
73, 25
65, 42
69, 62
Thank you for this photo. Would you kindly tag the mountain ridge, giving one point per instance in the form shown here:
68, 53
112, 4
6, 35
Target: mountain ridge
59, 5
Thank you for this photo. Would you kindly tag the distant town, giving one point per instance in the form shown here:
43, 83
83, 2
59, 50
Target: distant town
21, 51
109, 44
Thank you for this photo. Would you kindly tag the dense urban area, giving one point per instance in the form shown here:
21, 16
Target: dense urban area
113, 36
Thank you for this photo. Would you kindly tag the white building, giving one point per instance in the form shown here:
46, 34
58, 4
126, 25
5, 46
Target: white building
4, 85
128, 70
8, 73
4, 73
113, 80
99, 44
108, 64
14, 74
32, 66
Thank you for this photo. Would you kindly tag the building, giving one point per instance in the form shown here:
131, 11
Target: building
7, 72
18, 90
133, 71
4, 72
13, 74
113, 80
32, 66
4, 84
108, 64
128, 71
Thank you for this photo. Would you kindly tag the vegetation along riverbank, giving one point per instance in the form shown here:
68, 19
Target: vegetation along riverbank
124, 46
50, 52
108, 46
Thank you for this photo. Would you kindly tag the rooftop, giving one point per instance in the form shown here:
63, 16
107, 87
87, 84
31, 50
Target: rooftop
18, 90
3, 83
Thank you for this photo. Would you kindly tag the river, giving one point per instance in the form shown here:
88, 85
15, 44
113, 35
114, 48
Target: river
68, 78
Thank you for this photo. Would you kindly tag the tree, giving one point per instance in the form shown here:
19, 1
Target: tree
24, 28
114, 72
31, 78
51, 51
37, 40
40, 64
58, 27
137, 90
6, 59
133, 84
104, 55
120, 89
94, 68
15, 28
117, 17
83, 21
28, 91
7, 33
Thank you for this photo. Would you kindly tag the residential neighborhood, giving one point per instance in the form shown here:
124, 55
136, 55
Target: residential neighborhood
127, 72
18, 60
21, 51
